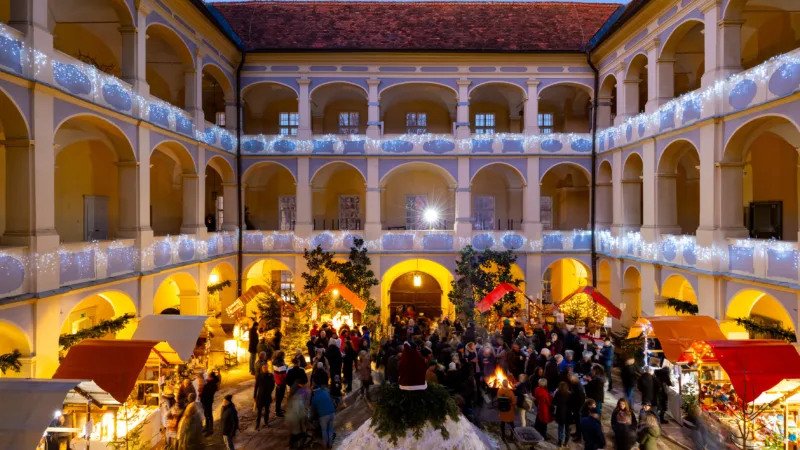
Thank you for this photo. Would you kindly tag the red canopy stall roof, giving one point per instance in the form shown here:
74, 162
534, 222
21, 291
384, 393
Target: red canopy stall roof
598, 298
496, 294
114, 365
756, 366
347, 294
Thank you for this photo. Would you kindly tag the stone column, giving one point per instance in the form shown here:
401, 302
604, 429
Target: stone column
650, 273
604, 214
231, 117
31, 17
303, 225
373, 110
130, 199
622, 95
531, 111
604, 112
144, 233
712, 12
194, 91
463, 225
652, 76
230, 221
193, 205
48, 325
618, 193
630, 88
373, 227
730, 43
648, 191
531, 201
665, 80
462, 110
304, 110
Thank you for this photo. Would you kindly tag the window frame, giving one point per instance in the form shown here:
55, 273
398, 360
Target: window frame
412, 122
288, 123
349, 127
482, 125
542, 121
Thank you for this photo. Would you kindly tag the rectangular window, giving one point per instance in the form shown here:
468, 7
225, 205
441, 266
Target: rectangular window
416, 123
287, 123
348, 123
349, 212
287, 212
484, 212
546, 123
484, 124
415, 210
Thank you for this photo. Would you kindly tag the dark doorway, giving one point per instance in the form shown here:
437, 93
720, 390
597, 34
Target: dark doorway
418, 292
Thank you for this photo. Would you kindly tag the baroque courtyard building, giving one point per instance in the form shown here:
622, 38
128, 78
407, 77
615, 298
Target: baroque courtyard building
138, 136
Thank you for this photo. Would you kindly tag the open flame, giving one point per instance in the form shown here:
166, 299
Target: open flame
496, 381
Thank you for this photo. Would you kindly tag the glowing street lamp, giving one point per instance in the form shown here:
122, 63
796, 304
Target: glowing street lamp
431, 216
213, 278
417, 280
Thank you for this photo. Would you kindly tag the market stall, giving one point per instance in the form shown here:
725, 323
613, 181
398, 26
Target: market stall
588, 309
176, 336
105, 403
29, 407
675, 335
749, 388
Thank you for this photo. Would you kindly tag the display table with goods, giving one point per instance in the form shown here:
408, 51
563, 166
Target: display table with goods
749, 390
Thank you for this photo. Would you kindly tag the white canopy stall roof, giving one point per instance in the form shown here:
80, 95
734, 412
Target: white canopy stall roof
785, 391
29, 405
177, 335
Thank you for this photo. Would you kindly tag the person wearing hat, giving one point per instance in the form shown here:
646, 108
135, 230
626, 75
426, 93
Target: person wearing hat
647, 409
167, 401
412, 370
230, 421
592, 431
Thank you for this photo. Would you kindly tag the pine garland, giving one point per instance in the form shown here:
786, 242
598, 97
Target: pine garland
10, 361
398, 411
682, 306
773, 331
101, 329
214, 288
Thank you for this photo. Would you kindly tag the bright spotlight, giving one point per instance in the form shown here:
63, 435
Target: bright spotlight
417, 280
213, 278
335, 292
430, 215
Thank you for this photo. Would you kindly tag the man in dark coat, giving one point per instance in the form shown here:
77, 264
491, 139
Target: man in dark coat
629, 376
662, 375
230, 421
252, 347
649, 387
515, 361
296, 374
262, 394
334, 356
469, 334
552, 374
592, 432
508, 332
207, 400
577, 397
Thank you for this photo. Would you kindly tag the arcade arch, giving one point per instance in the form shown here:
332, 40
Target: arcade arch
758, 306
411, 190
566, 185
177, 294
496, 192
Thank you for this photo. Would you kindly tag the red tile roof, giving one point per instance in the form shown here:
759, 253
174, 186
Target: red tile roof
416, 26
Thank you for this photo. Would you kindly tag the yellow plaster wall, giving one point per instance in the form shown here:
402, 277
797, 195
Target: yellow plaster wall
166, 296
330, 122
95, 308
566, 275
5, 10
325, 202
415, 182
73, 39
268, 122
3, 187
766, 34
753, 302
265, 186
771, 174
501, 116
688, 201
166, 194
486, 183
84, 168
439, 120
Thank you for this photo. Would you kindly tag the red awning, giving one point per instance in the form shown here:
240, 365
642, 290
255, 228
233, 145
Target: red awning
346, 294
755, 366
496, 294
598, 298
114, 365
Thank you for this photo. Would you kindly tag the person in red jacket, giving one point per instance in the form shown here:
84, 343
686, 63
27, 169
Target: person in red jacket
544, 402
314, 330
279, 370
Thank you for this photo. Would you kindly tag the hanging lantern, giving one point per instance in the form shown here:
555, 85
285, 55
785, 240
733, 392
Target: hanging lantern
417, 280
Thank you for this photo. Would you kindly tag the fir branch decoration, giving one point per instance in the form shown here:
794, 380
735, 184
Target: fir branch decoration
681, 306
398, 411
214, 288
10, 361
773, 331
101, 329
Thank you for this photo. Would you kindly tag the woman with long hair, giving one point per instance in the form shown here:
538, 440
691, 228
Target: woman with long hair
623, 424
365, 373
649, 433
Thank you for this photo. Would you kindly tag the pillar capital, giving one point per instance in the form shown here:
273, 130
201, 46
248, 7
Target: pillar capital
709, 5
304, 82
144, 7
127, 29
373, 82
463, 83
532, 83
652, 44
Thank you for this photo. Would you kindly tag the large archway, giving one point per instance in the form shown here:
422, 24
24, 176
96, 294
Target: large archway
219, 301
95, 180
169, 60
607, 102
12, 338
418, 196
15, 165
563, 277
496, 108
683, 59
631, 296
270, 108
96, 308
760, 307
635, 85
564, 108
765, 163
678, 189
604, 191
220, 190
418, 108
339, 108
496, 191
679, 288
268, 272
177, 294
432, 275
270, 197
759, 30
173, 188
338, 193
565, 190
217, 95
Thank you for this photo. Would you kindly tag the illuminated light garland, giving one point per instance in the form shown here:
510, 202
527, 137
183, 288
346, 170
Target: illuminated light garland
73, 73
695, 105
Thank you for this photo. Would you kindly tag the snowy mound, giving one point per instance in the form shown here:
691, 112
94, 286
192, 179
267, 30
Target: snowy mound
463, 436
